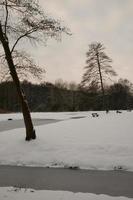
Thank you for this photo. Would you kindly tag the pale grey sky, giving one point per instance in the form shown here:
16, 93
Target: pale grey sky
107, 21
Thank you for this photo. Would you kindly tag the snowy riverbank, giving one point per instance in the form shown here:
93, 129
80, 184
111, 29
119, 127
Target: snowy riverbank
26, 194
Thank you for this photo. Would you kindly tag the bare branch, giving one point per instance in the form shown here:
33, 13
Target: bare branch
22, 36
6, 7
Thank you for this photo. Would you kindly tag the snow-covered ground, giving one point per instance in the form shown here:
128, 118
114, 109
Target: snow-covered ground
105, 142
28, 194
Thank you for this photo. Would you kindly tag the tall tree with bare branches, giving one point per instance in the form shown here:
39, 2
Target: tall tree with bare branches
98, 68
21, 20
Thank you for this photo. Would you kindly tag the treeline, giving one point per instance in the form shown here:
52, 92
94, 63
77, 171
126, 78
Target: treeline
66, 97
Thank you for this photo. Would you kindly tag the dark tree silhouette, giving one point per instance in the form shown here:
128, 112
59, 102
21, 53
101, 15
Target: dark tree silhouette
24, 19
97, 68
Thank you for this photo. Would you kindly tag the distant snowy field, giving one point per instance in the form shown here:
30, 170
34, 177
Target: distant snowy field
27, 194
102, 143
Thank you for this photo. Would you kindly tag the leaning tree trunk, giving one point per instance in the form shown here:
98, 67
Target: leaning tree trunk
101, 80
30, 132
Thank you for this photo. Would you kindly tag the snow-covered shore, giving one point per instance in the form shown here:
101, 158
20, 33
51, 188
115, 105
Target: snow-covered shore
27, 194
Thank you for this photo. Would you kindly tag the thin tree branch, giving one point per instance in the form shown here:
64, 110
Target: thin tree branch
22, 36
6, 7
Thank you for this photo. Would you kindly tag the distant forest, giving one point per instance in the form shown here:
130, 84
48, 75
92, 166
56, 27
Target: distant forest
62, 96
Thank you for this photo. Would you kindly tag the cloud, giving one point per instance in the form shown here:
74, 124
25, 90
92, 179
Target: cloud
106, 21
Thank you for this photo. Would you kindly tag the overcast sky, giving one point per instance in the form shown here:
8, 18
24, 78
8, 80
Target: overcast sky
107, 21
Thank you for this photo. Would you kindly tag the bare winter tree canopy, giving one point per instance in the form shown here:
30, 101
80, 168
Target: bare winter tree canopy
97, 63
98, 67
22, 20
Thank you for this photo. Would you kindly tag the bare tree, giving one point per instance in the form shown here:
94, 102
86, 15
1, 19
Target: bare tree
19, 20
59, 83
98, 68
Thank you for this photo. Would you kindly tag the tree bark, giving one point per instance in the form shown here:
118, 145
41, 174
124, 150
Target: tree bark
30, 132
